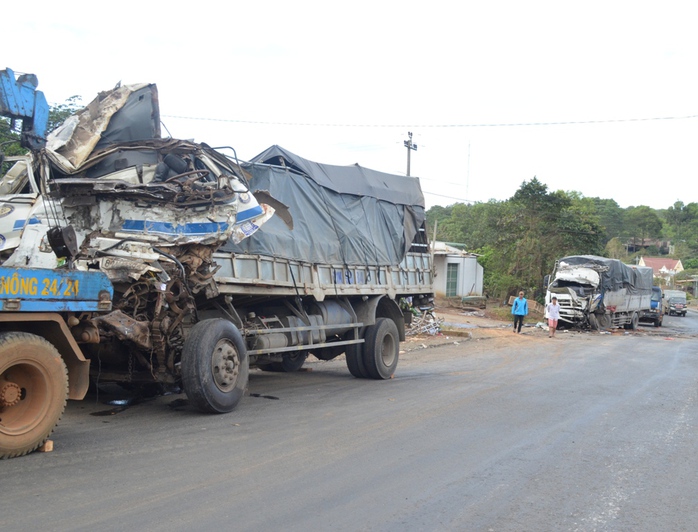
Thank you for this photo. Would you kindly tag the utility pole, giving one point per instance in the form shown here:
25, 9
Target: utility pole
410, 147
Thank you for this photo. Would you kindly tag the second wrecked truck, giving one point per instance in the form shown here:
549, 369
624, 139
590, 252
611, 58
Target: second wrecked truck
599, 292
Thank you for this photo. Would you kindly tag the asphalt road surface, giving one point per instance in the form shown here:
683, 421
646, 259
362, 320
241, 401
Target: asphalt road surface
582, 432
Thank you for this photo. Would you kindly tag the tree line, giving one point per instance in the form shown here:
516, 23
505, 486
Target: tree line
518, 240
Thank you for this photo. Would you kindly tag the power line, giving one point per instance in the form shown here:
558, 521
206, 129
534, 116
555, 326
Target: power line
503, 124
448, 197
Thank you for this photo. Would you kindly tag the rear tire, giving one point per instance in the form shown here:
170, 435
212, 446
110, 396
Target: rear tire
381, 349
33, 392
215, 367
354, 355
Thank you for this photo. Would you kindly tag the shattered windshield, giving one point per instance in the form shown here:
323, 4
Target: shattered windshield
582, 290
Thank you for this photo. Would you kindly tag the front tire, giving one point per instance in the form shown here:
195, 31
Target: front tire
634, 322
33, 392
381, 349
215, 367
593, 322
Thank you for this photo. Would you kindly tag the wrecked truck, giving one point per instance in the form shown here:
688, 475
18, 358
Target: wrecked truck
600, 293
215, 265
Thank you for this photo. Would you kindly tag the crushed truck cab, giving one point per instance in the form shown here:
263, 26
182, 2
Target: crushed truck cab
174, 266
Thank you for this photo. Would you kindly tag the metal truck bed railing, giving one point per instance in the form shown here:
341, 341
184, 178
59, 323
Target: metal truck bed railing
271, 276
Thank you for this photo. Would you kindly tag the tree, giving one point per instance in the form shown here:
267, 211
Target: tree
682, 228
615, 249
642, 223
473, 225
529, 223
59, 113
9, 139
611, 217
436, 216
519, 239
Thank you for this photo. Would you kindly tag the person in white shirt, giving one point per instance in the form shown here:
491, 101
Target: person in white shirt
553, 312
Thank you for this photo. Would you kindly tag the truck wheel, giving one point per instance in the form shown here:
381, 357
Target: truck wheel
603, 321
33, 392
593, 322
215, 367
634, 321
354, 355
288, 364
658, 323
381, 349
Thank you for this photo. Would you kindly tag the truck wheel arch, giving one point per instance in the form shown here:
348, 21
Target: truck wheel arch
52, 328
375, 307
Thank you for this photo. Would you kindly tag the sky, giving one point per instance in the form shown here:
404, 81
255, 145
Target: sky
598, 97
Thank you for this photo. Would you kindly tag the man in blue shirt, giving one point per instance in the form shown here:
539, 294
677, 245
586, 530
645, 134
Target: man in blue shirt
519, 309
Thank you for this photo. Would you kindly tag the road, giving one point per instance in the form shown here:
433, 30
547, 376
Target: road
513, 432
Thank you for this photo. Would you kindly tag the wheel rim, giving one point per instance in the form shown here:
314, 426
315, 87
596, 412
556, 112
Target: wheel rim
388, 350
24, 398
225, 365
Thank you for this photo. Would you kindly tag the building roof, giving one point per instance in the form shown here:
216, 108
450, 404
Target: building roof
660, 264
443, 248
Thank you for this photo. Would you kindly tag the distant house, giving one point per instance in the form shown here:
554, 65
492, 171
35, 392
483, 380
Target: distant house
663, 268
457, 272
664, 246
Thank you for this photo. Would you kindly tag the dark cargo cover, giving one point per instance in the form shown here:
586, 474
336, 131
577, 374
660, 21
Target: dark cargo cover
341, 214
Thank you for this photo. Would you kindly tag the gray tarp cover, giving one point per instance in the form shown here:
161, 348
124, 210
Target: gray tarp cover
341, 214
615, 274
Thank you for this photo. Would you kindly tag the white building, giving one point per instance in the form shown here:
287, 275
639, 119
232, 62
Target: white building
457, 272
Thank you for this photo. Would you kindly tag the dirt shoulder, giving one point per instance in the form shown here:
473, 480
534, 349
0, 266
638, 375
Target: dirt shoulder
477, 325
466, 324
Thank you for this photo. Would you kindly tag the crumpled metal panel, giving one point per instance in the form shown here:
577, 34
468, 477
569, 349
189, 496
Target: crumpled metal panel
126, 328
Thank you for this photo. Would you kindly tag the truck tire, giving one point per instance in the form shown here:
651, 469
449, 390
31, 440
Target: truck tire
288, 364
635, 321
381, 349
354, 355
33, 392
215, 367
593, 322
